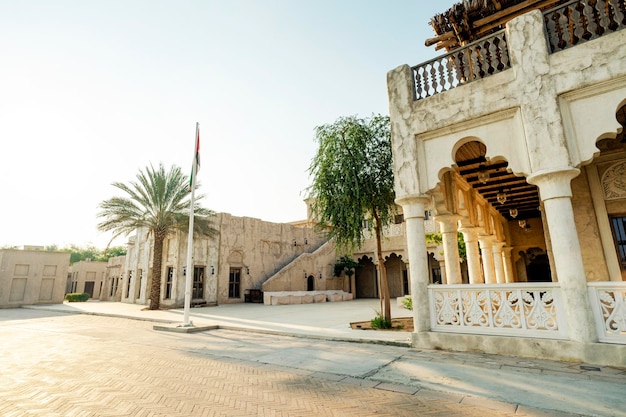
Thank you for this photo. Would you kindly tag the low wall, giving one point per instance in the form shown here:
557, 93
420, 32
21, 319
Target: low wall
304, 297
604, 354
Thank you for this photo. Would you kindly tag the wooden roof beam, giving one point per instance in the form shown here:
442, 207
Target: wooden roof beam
443, 37
502, 17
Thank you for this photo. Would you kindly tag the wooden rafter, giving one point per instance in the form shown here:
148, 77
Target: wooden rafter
470, 20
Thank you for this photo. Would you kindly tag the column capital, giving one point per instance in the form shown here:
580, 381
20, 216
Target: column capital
413, 205
449, 222
497, 246
470, 233
486, 240
554, 183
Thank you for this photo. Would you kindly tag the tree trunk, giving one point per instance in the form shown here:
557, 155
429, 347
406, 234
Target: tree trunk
382, 273
155, 287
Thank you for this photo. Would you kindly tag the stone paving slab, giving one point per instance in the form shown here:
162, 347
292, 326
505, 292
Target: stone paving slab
531, 385
52, 368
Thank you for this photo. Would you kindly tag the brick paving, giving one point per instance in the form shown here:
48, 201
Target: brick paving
79, 365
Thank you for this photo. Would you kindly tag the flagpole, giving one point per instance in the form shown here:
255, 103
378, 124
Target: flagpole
190, 266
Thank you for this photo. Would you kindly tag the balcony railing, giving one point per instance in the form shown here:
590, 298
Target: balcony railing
477, 60
608, 300
525, 310
581, 21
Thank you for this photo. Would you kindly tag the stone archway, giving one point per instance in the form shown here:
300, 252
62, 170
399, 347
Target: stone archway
488, 204
366, 282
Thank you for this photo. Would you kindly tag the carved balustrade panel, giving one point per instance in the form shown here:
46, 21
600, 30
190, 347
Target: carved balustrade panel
479, 59
583, 20
530, 310
387, 231
608, 301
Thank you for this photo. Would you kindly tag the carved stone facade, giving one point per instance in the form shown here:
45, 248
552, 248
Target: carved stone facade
529, 164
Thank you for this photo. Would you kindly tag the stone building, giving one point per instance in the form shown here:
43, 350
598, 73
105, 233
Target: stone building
246, 257
87, 277
286, 262
515, 138
32, 277
113, 278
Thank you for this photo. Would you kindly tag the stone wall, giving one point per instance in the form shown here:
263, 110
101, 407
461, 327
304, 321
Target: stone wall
260, 249
319, 264
32, 277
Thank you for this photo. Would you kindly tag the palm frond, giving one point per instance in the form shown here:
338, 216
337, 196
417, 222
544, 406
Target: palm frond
158, 199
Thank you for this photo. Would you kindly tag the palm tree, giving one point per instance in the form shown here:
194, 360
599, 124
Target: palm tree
159, 201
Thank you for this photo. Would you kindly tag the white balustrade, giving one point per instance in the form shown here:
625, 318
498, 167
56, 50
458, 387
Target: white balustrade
388, 231
608, 301
524, 310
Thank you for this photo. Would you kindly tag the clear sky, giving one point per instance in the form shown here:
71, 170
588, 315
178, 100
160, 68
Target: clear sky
92, 91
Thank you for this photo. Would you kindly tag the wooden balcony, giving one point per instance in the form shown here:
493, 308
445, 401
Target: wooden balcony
480, 59
565, 26
581, 21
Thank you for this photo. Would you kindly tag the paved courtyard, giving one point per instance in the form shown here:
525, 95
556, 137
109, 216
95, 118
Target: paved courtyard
59, 364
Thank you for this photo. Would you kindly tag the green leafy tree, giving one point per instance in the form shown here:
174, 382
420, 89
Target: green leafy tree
114, 251
353, 181
159, 201
348, 266
437, 239
87, 253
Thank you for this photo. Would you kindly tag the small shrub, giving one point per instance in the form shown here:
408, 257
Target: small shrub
77, 297
379, 323
408, 303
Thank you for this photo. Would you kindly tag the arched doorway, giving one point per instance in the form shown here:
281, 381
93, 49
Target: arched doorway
395, 273
366, 281
310, 283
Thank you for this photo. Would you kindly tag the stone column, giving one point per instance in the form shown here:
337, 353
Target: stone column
509, 275
450, 248
498, 265
413, 207
556, 194
485, 242
470, 236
